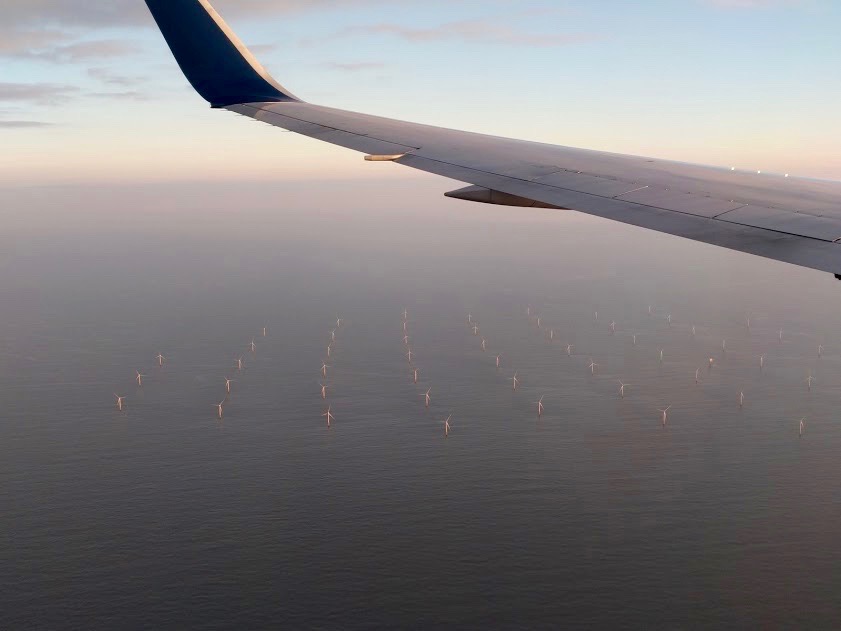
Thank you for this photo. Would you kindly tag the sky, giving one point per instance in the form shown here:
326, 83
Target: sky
89, 92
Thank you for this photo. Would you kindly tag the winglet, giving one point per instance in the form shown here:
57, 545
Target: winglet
214, 60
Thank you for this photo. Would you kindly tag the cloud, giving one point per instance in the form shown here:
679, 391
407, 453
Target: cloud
93, 13
23, 124
751, 4
36, 93
109, 77
128, 95
354, 66
476, 31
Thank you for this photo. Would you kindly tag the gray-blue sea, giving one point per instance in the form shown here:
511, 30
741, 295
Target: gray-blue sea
596, 515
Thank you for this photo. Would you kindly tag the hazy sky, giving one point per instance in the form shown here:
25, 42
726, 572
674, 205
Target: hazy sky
90, 93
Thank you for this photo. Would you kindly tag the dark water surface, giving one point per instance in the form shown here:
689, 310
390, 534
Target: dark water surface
162, 516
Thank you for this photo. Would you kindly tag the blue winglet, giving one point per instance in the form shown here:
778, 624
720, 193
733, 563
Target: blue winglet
214, 60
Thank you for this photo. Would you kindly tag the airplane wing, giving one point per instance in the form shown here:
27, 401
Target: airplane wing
790, 219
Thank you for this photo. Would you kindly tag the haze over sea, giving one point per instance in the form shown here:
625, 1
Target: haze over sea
595, 515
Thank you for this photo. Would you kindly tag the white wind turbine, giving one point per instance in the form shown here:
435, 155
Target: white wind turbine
516, 381
665, 414
622, 387
120, 401
139, 378
329, 416
593, 365
540, 407
426, 397
160, 359
219, 408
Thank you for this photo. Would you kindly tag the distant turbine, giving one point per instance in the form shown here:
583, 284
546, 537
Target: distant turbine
426, 397
469, 318
416, 375
339, 323
747, 321
475, 329
219, 407
497, 361
538, 322
761, 362
693, 330
324, 368
802, 425
405, 327
635, 339
238, 363
515, 380
569, 349
540, 408
820, 350
622, 387
410, 354
447, 425
724, 346
613, 327
139, 378
593, 365
119, 402
742, 399
665, 414
661, 355
781, 335
323, 391
697, 374
405, 315
160, 359
551, 335
650, 309
228, 383
669, 319
406, 340
809, 381
596, 316
329, 416
329, 350
253, 346
333, 335
265, 331
484, 344
528, 311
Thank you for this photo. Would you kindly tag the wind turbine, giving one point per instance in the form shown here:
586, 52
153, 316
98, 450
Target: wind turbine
323, 391
613, 327
160, 359
569, 349
139, 378
119, 402
238, 363
661, 355
665, 414
820, 350
228, 383
593, 365
802, 425
410, 354
329, 350
540, 408
416, 375
475, 329
809, 381
265, 331
484, 345
447, 425
426, 397
406, 340
515, 380
761, 362
497, 361
329, 416
219, 407
253, 346
742, 399
405, 315
339, 323
622, 387
697, 374
324, 368
333, 335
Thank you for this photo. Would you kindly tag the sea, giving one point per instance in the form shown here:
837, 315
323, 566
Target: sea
596, 514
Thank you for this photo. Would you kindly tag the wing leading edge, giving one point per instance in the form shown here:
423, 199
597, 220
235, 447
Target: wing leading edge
784, 218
